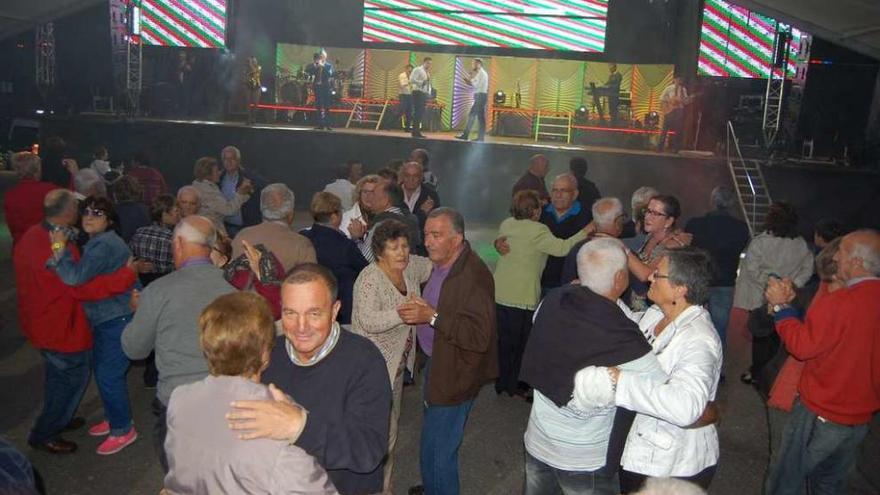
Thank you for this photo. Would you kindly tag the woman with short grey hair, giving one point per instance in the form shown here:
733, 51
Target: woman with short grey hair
662, 441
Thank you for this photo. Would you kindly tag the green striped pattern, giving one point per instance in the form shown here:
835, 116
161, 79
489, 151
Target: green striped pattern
189, 23
735, 42
536, 24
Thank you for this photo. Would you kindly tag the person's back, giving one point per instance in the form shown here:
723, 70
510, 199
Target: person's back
341, 256
206, 457
767, 253
132, 216
23, 205
150, 179
290, 247
725, 238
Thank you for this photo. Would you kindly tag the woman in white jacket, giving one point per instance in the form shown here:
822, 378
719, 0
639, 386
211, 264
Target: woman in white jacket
661, 443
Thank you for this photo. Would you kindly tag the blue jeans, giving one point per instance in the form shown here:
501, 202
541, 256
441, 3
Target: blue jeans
478, 111
814, 451
442, 433
543, 479
720, 302
111, 366
67, 376
406, 110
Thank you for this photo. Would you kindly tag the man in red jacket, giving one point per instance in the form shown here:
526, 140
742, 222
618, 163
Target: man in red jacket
53, 320
23, 204
840, 383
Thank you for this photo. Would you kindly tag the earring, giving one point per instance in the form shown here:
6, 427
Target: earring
674, 302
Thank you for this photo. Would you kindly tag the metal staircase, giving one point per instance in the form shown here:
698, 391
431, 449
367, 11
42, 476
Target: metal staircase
553, 124
367, 112
751, 189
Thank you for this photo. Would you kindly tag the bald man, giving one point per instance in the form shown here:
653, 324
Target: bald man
167, 313
838, 390
533, 179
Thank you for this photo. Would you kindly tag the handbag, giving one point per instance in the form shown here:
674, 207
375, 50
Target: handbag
784, 390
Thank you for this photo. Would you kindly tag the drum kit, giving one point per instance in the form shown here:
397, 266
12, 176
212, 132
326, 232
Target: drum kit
296, 89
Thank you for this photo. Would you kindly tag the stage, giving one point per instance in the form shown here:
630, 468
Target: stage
475, 177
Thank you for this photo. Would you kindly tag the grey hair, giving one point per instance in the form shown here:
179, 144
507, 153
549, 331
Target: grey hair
641, 196
89, 183
190, 189
598, 262
414, 164
690, 267
723, 198
606, 211
452, 214
280, 211
569, 177
235, 151
868, 253
670, 486
27, 165
57, 201
187, 231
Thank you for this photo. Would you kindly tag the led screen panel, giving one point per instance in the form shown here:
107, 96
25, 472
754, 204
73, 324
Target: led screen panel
187, 23
567, 25
736, 42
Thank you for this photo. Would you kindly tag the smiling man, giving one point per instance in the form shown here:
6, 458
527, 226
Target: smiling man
338, 380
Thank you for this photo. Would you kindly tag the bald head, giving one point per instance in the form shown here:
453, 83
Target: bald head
859, 255
608, 216
59, 207
194, 237
539, 165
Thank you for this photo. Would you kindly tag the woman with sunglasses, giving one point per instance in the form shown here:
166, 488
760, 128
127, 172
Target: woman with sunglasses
105, 252
661, 216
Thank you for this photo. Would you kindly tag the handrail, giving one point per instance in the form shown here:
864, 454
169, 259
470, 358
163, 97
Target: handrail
750, 221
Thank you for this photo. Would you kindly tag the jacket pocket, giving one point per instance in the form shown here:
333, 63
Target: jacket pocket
659, 435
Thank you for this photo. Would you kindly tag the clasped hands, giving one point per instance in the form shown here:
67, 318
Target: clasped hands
415, 311
779, 291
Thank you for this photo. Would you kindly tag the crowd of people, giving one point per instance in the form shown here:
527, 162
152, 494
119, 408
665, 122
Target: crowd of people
280, 358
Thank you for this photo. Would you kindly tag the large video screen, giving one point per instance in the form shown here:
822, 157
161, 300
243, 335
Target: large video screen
568, 25
736, 42
186, 23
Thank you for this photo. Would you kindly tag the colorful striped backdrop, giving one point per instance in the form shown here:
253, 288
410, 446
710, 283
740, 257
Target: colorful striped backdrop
190, 23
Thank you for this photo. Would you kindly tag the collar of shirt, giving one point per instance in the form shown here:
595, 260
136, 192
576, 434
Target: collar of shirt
325, 349
72, 233
859, 280
196, 261
412, 199
574, 210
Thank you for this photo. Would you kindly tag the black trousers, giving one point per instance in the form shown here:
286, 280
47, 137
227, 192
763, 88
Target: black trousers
160, 431
673, 121
514, 325
420, 99
406, 110
632, 482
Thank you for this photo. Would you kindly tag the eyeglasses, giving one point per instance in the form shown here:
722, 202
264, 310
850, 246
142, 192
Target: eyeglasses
89, 212
657, 275
655, 213
564, 191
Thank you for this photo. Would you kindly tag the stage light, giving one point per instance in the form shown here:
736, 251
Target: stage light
500, 97
264, 89
582, 110
40, 112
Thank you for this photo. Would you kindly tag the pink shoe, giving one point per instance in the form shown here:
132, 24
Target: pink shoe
114, 444
100, 429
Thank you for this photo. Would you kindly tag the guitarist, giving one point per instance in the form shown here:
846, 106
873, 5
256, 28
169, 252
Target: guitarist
672, 102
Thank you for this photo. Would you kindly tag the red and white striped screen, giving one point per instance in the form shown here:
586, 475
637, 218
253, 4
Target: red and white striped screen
188, 23
569, 25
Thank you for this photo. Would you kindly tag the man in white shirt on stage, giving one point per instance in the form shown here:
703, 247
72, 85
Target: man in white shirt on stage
479, 80
420, 80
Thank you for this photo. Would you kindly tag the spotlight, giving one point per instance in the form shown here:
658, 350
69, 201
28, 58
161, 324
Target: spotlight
582, 110
40, 112
264, 89
581, 115
332, 92
500, 97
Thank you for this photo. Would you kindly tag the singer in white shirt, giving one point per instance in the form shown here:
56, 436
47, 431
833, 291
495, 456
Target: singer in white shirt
479, 80
420, 81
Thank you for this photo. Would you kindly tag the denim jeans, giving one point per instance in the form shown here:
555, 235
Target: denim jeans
814, 451
66, 379
720, 302
406, 110
111, 366
442, 433
478, 111
543, 479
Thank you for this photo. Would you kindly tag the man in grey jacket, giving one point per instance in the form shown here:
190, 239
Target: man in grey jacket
167, 313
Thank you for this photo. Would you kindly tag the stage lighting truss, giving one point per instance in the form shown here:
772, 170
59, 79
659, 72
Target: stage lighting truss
45, 55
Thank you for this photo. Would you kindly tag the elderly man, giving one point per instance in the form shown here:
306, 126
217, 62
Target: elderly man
277, 207
167, 313
573, 447
344, 185
533, 179
23, 203
233, 176
457, 331
419, 197
53, 320
385, 196
838, 390
422, 156
608, 218
87, 182
725, 238
189, 201
338, 381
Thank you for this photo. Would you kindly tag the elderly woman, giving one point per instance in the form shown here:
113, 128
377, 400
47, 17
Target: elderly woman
356, 219
679, 328
214, 204
518, 282
778, 251
391, 280
660, 227
236, 333
104, 253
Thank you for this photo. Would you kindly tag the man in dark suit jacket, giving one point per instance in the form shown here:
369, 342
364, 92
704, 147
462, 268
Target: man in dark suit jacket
588, 193
233, 175
335, 251
418, 196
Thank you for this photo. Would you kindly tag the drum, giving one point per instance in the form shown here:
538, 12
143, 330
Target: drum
294, 93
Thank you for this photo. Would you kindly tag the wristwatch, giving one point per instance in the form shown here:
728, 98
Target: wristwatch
433, 319
57, 246
779, 307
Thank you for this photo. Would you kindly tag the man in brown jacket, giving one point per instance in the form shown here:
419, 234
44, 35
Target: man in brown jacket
456, 329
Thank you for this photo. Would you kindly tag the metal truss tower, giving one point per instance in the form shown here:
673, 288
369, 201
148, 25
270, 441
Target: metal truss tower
44, 45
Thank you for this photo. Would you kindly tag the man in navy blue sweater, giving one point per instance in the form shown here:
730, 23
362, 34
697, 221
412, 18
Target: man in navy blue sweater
331, 389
